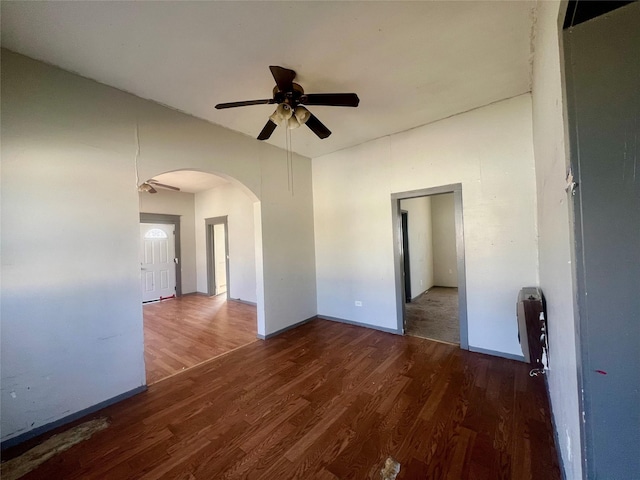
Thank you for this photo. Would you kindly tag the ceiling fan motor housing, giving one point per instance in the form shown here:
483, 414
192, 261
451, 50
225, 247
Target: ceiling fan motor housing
292, 98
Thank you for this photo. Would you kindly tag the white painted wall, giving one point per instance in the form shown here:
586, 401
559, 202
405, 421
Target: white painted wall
71, 313
443, 222
489, 151
231, 201
420, 243
554, 238
183, 204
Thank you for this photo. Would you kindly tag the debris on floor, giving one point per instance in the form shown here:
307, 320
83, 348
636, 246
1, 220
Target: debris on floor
390, 470
31, 459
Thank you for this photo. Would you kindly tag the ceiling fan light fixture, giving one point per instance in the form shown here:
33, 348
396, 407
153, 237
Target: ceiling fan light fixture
302, 115
282, 114
293, 123
146, 188
299, 117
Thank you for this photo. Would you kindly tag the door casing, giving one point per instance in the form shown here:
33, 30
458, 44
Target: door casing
406, 256
153, 262
602, 111
169, 220
211, 271
398, 254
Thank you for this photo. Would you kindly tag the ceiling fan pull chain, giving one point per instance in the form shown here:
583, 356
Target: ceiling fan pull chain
289, 159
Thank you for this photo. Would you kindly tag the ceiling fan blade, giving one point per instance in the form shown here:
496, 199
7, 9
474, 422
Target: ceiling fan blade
152, 190
246, 103
283, 77
267, 130
162, 185
331, 99
317, 127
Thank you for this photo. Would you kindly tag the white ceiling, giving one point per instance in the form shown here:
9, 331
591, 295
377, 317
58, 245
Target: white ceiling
411, 63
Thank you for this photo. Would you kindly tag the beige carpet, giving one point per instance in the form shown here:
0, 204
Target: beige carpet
434, 315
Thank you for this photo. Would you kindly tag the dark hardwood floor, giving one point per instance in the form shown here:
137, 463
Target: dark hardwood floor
182, 332
327, 401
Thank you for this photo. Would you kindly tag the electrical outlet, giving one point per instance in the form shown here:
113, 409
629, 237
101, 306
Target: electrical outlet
358, 303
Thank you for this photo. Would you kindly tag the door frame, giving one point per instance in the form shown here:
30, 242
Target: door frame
174, 220
211, 271
398, 254
591, 341
406, 255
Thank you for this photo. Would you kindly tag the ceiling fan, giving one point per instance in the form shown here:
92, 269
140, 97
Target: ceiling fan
291, 101
149, 185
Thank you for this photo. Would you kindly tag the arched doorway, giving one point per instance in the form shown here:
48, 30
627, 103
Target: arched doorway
200, 323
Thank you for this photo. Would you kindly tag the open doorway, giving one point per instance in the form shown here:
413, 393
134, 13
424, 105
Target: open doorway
429, 260
214, 310
217, 256
430, 268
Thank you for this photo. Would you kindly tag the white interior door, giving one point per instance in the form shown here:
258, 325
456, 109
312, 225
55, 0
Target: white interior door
157, 261
220, 256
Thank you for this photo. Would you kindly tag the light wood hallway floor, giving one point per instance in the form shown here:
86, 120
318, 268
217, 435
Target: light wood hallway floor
327, 401
182, 332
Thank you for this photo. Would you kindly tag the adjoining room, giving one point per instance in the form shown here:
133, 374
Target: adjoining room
198, 275
430, 267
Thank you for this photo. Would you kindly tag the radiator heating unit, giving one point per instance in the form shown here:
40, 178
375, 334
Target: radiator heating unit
532, 328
